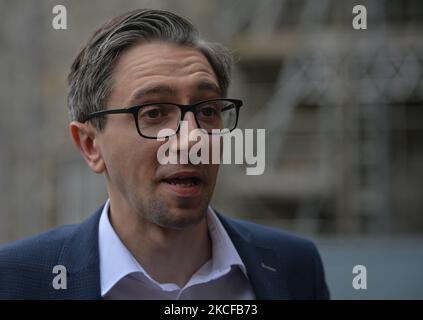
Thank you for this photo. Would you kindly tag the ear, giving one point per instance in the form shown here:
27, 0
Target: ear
85, 138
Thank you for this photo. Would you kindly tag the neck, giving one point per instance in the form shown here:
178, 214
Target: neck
167, 255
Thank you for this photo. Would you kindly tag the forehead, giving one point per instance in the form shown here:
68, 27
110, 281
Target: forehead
160, 61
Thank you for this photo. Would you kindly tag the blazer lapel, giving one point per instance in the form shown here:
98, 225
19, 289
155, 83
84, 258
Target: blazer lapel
266, 275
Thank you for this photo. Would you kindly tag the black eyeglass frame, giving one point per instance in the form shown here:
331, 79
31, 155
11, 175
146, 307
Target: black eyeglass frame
183, 107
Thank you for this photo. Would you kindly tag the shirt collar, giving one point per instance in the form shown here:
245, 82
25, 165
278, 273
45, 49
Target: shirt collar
224, 254
116, 261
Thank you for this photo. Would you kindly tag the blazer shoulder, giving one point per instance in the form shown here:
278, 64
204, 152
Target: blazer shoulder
27, 266
34, 251
271, 237
50, 242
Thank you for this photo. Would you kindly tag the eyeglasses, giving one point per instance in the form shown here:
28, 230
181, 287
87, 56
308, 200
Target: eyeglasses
151, 118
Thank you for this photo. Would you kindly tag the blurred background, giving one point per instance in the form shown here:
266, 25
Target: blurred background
342, 109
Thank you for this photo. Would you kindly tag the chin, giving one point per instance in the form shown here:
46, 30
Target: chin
182, 218
168, 212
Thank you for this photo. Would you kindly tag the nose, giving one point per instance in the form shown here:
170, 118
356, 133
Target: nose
187, 125
183, 144
189, 119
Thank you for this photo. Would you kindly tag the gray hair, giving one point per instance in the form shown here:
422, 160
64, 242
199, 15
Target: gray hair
90, 77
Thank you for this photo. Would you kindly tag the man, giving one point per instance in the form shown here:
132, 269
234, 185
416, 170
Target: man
156, 237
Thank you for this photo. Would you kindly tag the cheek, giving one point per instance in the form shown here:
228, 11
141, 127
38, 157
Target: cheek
137, 161
215, 147
212, 171
129, 159
117, 158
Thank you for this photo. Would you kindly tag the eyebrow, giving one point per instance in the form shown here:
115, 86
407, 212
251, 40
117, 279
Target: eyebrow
160, 89
208, 86
203, 85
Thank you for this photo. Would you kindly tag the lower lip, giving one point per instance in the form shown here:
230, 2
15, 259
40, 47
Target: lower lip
183, 191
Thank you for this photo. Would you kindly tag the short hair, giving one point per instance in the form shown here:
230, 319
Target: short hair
90, 77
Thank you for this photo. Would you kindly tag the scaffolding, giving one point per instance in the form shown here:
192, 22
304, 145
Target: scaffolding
333, 86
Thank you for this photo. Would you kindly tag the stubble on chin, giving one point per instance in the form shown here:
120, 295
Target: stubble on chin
160, 213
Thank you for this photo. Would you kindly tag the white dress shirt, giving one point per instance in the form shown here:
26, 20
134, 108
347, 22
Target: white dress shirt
224, 276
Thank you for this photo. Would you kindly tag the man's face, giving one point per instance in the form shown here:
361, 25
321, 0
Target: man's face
163, 194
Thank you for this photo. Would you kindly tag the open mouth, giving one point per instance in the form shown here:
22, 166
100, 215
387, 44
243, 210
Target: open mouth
184, 182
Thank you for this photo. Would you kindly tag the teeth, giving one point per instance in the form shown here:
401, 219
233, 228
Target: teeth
189, 182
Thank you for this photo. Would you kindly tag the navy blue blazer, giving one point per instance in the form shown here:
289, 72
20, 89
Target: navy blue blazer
279, 265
